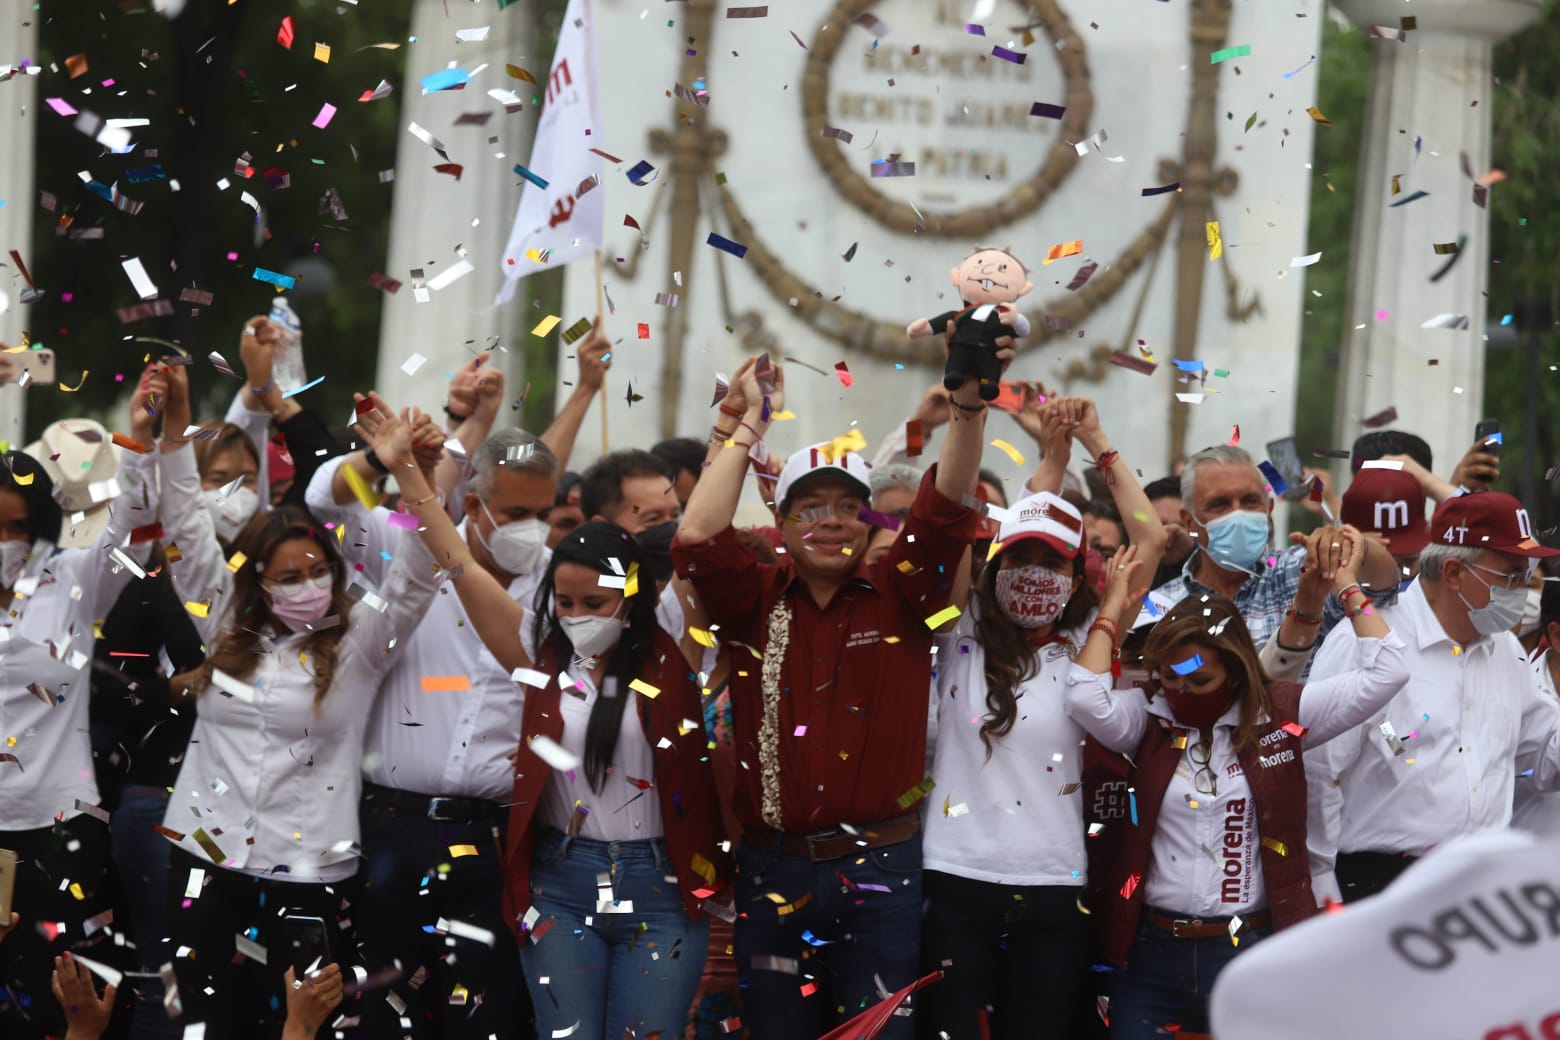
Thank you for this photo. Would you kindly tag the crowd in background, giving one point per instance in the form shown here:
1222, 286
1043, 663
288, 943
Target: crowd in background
428, 728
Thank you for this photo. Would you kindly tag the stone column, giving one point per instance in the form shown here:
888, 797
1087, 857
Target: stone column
434, 213
18, 42
1429, 103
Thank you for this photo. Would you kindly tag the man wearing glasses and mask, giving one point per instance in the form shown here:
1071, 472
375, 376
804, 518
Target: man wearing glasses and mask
1441, 759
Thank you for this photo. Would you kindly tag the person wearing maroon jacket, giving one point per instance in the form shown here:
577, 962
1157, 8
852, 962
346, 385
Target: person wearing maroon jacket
829, 712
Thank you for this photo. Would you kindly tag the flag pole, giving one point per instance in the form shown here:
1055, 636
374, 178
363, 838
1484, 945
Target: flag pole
600, 311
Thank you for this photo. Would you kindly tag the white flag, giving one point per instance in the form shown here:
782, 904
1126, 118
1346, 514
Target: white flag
562, 221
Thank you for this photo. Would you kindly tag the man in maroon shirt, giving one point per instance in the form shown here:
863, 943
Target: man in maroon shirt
829, 712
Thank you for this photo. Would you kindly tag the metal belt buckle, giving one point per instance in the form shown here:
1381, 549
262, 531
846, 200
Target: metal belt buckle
818, 837
1175, 926
436, 808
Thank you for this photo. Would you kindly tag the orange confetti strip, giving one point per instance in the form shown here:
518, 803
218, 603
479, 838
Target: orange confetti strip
445, 683
1062, 249
131, 444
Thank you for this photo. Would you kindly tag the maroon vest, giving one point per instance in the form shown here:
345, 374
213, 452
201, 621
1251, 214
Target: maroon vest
1119, 851
683, 779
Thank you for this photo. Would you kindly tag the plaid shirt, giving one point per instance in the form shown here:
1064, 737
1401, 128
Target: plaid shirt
1262, 601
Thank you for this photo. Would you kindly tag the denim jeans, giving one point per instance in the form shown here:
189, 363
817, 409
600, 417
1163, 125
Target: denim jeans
620, 956
1018, 953
141, 857
816, 941
1167, 981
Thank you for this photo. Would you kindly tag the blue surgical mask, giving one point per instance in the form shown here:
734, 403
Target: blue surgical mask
1237, 540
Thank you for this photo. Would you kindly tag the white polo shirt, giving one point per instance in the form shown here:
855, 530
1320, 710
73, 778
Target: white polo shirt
1470, 719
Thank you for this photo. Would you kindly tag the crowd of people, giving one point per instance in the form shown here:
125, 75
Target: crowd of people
411, 730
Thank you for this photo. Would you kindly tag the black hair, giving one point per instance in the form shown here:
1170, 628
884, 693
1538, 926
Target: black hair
1164, 487
1549, 605
990, 477
1105, 509
1370, 446
682, 455
601, 487
567, 482
593, 544
656, 543
44, 517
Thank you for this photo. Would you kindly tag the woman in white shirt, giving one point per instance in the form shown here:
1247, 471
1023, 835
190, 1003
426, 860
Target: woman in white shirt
614, 840
264, 814
60, 570
1197, 835
1004, 863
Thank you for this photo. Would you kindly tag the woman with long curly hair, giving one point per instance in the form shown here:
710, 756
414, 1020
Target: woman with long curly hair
1004, 845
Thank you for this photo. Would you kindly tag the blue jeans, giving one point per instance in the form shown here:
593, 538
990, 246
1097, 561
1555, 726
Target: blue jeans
615, 972
1168, 981
796, 988
141, 856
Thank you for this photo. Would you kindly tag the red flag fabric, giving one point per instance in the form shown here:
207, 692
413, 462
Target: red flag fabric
868, 1024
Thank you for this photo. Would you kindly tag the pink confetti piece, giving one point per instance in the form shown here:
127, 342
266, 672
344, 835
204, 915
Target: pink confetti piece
327, 113
61, 106
405, 521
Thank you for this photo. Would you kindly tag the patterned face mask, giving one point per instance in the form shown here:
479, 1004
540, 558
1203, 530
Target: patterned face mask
1033, 596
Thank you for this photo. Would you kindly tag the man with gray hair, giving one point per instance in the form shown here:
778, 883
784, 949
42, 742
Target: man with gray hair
1227, 510
894, 488
1441, 759
436, 771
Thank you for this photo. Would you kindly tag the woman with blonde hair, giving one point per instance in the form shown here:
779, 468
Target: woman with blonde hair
1198, 844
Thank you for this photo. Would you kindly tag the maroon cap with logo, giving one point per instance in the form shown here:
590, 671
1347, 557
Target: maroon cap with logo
1487, 520
1392, 504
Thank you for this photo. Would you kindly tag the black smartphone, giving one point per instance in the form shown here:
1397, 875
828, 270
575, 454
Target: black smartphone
1285, 457
308, 945
1484, 431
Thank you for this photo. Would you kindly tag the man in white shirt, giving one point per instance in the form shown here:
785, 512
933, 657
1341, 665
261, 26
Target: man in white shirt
1440, 760
1533, 810
437, 776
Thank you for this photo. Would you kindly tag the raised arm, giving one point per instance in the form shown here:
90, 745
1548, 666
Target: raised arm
1138, 515
713, 503
477, 392
1116, 719
594, 355
493, 612
958, 465
1045, 423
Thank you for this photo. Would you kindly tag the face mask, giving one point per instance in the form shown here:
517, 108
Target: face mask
1032, 596
231, 514
591, 634
1529, 623
300, 606
1502, 613
515, 547
13, 557
1198, 710
1237, 540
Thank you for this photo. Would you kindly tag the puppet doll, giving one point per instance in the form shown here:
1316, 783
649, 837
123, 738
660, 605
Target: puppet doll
989, 282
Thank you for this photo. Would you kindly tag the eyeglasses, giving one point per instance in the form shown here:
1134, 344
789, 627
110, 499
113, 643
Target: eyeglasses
1507, 581
1205, 780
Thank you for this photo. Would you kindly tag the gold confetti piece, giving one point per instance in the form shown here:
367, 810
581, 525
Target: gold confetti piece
631, 582
520, 74
1445, 248
75, 890
198, 609
1215, 243
843, 445
704, 868
905, 567
942, 617
535, 256
457, 851
79, 383
1007, 449
367, 497
322, 53
1276, 845
702, 637
546, 325
1316, 114
237, 560
22, 479
208, 846
640, 686
775, 898
783, 416
1397, 184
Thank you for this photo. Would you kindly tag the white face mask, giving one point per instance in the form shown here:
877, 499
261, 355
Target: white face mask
1529, 623
516, 547
13, 557
592, 634
1501, 614
230, 514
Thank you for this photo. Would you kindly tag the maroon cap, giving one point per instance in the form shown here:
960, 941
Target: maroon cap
1391, 503
1487, 520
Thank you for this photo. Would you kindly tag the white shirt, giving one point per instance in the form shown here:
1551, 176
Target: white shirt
47, 763
1017, 818
1532, 810
623, 810
434, 743
1470, 718
1199, 836
272, 780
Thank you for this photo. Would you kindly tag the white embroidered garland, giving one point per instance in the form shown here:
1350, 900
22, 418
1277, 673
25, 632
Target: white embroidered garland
779, 639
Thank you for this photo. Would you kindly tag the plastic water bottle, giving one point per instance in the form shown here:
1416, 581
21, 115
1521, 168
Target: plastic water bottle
288, 368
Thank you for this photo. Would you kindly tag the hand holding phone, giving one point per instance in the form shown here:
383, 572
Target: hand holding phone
308, 944
1487, 436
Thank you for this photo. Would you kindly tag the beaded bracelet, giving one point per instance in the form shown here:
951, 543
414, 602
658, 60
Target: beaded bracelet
1349, 591
967, 409
1363, 608
1304, 618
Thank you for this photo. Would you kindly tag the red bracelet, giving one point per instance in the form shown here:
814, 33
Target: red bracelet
1303, 618
735, 413
1363, 608
745, 426
1105, 463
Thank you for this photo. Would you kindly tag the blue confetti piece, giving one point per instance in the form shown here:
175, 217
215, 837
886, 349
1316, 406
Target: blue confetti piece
726, 245
1188, 666
1132, 802
1188, 366
1275, 481
528, 175
640, 173
281, 281
1415, 197
1506, 319
813, 940
306, 386
1494, 438
445, 79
